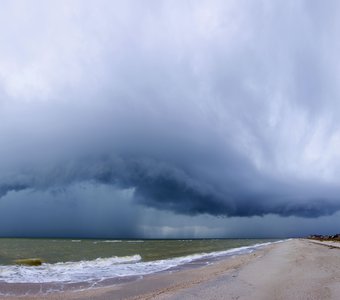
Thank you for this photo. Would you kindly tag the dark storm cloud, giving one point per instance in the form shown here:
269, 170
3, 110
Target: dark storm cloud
164, 187
225, 108
5, 188
82, 210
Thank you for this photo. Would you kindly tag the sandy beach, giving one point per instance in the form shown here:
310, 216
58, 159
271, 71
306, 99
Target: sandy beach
295, 269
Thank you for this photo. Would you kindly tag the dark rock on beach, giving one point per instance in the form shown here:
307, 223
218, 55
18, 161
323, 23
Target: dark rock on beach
29, 261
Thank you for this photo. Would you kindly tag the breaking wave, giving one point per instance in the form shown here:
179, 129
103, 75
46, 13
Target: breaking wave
105, 268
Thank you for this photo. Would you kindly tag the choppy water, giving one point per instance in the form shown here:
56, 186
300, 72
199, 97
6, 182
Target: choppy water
72, 261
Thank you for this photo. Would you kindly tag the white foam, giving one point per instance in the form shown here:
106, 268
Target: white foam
107, 241
104, 268
136, 241
110, 241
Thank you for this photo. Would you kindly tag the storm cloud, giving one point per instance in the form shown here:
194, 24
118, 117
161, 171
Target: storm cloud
221, 108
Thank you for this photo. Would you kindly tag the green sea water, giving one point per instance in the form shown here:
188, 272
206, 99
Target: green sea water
87, 263
66, 250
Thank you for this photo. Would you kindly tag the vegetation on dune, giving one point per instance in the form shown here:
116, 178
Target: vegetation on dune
335, 237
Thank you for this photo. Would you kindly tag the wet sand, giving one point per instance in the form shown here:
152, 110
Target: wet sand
295, 269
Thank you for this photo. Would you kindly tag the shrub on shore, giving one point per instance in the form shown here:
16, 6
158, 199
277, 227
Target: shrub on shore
335, 237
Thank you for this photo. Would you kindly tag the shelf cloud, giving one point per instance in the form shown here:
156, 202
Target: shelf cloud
221, 108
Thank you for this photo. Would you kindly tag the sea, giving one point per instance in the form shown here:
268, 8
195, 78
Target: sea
86, 263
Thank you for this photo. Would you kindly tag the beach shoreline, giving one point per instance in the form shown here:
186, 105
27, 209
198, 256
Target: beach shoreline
134, 288
294, 269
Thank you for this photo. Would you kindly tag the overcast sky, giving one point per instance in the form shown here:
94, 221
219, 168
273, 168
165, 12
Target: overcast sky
169, 118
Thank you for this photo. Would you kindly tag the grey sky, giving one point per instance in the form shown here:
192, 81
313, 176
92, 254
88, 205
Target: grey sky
220, 116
